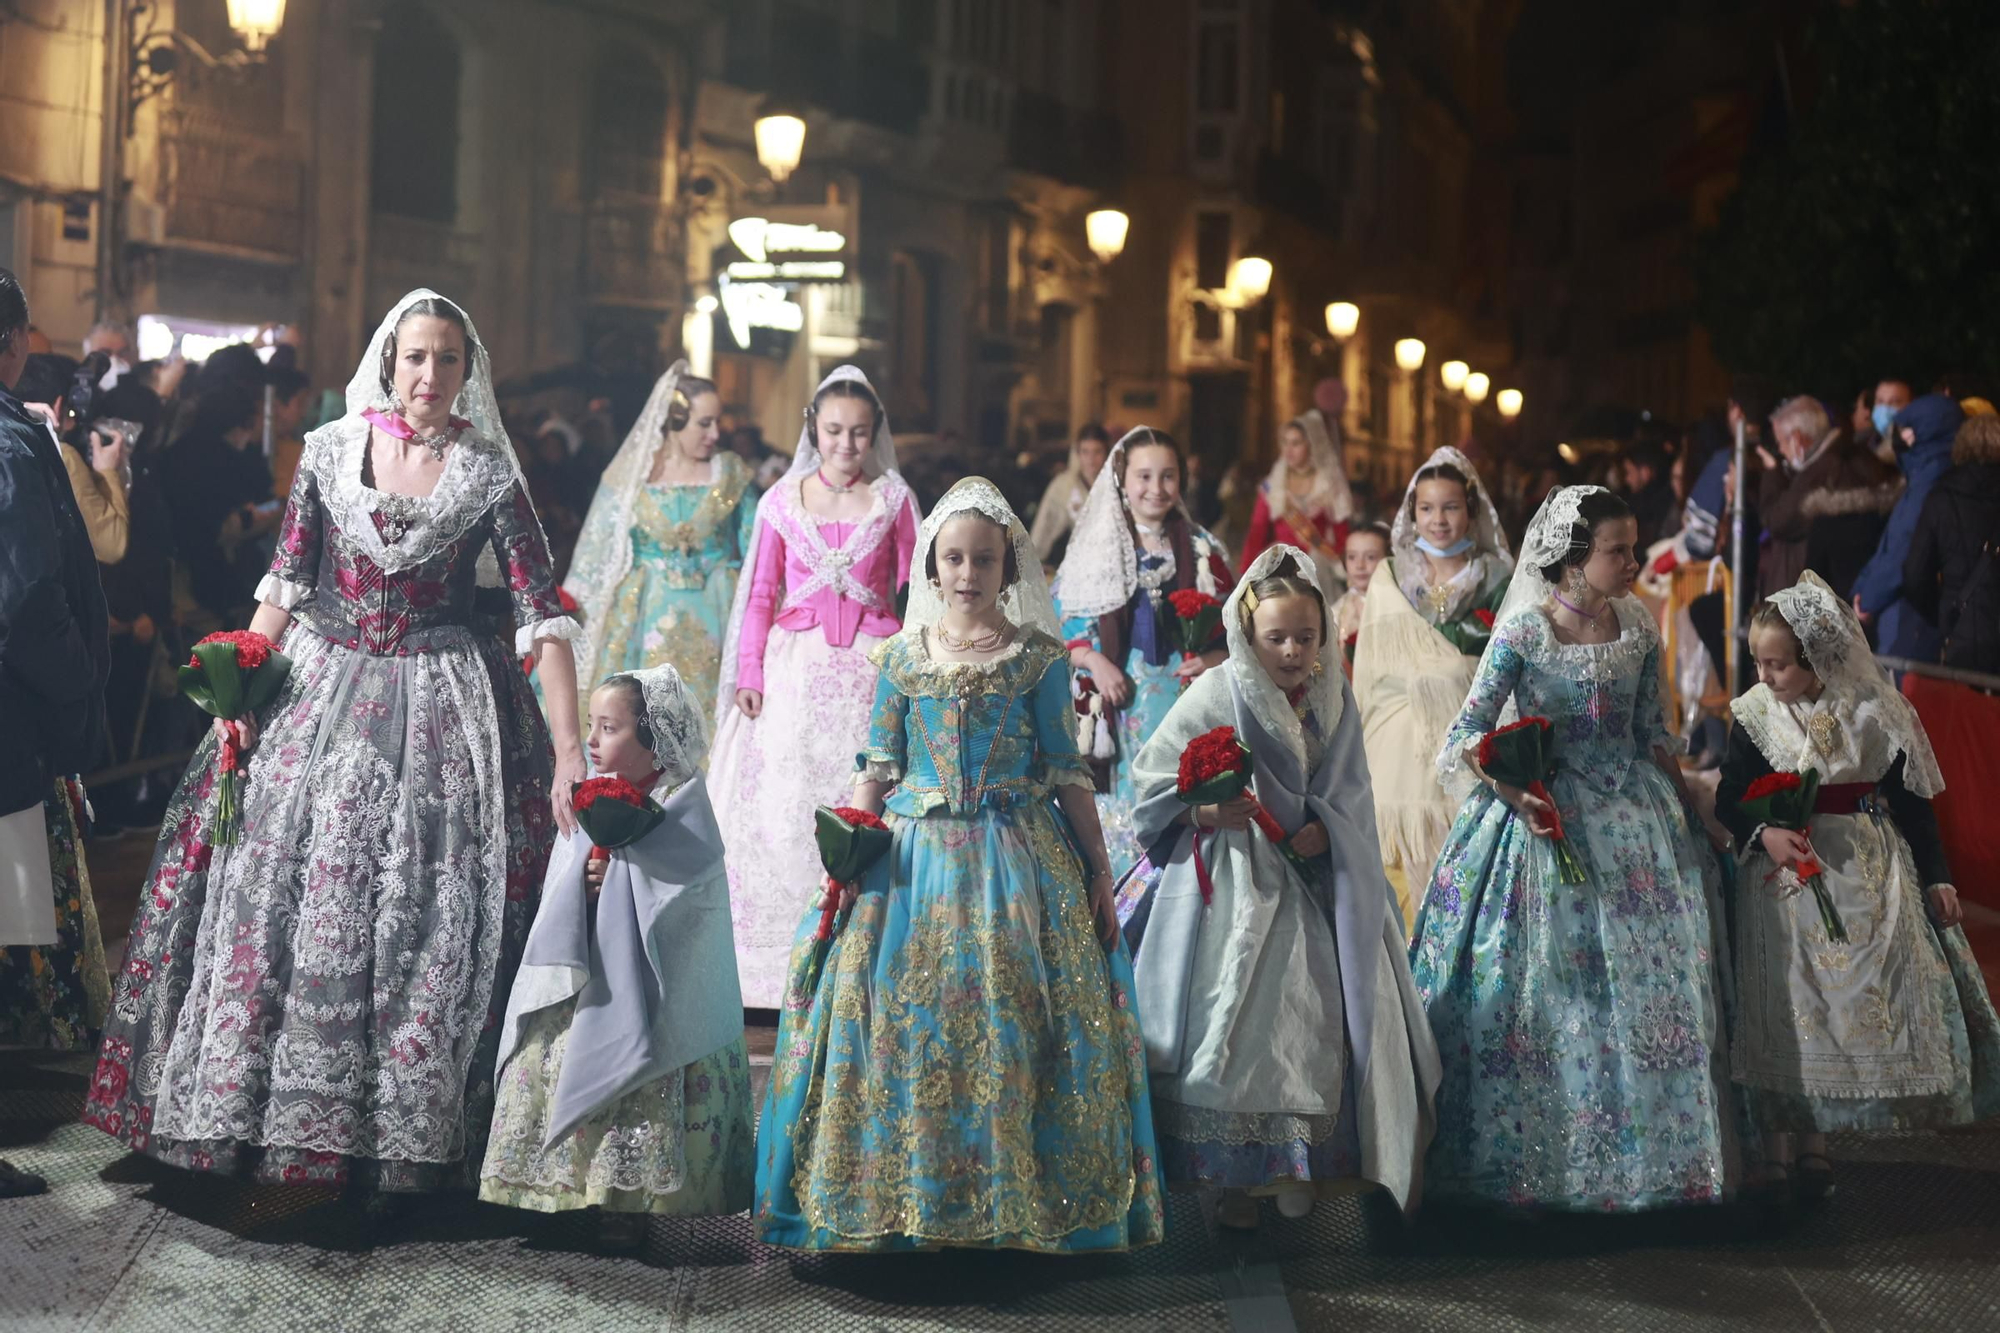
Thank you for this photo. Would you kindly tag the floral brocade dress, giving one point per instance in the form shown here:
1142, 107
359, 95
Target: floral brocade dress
1581, 1025
966, 1067
688, 549
328, 989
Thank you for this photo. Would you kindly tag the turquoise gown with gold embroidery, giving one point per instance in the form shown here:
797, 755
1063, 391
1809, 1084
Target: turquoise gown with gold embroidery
966, 1067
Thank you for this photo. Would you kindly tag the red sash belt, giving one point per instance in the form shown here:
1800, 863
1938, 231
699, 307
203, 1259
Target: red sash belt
1846, 798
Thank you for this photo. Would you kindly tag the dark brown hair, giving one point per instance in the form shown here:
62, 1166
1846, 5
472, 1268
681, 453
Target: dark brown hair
1369, 530
1595, 508
1284, 580
1152, 439
1441, 472
843, 388
635, 699
437, 307
680, 408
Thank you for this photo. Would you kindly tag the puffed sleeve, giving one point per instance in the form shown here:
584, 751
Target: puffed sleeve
883, 758
766, 574
1055, 730
523, 553
294, 569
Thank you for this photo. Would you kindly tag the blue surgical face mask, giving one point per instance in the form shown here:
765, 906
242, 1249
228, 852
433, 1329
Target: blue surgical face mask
1884, 417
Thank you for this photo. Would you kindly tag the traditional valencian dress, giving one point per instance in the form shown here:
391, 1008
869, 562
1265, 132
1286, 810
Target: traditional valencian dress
329, 987
1287, 1045
1316, 521
820, 597
656, 567
1892, 1029
623, 1081
1112, 595
1581, 1025
1414, 658
966, 1067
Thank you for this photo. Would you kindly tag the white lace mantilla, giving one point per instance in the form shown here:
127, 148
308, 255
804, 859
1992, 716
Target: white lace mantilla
1860, 747
477, 476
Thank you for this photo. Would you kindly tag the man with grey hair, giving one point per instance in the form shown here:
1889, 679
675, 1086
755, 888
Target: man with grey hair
1823, 500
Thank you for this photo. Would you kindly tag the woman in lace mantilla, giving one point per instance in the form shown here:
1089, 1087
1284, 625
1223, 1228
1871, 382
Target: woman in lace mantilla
1288, 1050
962, 1065
1305, 501
656, 568
325, 993
1580, 1024
623, 1082
1133, 546
831, 546
1892, 1028
1427, 616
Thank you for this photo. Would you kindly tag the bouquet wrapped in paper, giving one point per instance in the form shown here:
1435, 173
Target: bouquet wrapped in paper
850, 841
1522, 755
614, 814
1786, 800
232, 676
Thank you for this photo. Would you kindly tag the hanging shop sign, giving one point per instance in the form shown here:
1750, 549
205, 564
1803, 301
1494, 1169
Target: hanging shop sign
750, 306
792, 245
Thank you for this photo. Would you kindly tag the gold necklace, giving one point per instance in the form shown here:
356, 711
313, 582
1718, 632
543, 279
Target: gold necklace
977, 643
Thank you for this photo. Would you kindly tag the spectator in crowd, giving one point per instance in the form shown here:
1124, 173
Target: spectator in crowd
38, 342
1822, 499
1063, 500
115, 341
220, 504
1890, 397
53, 989
291, 398
766, 463
1952, 574
1923, 434
1649, 488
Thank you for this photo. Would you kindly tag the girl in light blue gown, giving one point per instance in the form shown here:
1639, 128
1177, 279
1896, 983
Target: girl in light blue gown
1581, 1025
961, 1065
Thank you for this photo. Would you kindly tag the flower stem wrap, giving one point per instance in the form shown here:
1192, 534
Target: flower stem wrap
614, 814
232, 676
1522, 755
1786, 801
850, 841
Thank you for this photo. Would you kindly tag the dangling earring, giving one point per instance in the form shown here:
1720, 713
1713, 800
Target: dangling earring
395, 400
1576, 580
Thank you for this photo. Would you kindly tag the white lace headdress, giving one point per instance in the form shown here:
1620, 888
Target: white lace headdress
1330, 493
1837, 648
677, 720
604, 549
1486, 532
1100, 570
1267, 702
1026, 602
480, 472
878, 463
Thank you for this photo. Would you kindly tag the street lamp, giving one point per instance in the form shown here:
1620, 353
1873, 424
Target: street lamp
1342, 319
781, 141
1477, 385
1454, 374
256, 21
1509, 403
1106, 230
1409, 353
1250, 279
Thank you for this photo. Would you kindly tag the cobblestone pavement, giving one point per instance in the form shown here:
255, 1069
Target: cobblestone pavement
1909, 1242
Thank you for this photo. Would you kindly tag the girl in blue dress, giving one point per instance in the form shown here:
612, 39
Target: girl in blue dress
1134, 545
962, 1064
1581, 1025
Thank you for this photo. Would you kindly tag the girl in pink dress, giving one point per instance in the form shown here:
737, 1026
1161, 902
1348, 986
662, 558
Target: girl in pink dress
832, 545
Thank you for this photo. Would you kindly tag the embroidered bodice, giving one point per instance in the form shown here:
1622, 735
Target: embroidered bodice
389, 574
1603, 699
682, 534
962, 735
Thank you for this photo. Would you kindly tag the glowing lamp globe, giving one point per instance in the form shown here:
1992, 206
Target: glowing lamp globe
1509, 403
1477, 386
1106, 230
1409, 353
1250, 279
256, 21
1342, 319
1453, 374
781, 142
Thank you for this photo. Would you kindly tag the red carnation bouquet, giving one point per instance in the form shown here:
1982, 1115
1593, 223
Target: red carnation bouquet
1216, 768
1786, 800
1522, 755
1197, 617
232, 676
850, 841
614, 813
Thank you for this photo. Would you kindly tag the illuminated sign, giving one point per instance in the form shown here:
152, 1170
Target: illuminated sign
785, 251
760, 305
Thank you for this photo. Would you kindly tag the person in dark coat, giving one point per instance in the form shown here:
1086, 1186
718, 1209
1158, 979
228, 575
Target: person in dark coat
53, 661
1823, 501
1952, 574
219, 493
1923, 434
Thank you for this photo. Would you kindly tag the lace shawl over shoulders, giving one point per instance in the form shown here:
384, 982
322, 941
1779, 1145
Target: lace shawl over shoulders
477, 476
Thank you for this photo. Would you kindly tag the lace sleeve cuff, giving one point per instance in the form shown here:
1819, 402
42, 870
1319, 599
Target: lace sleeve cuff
556, 627
871, 769
281, 593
